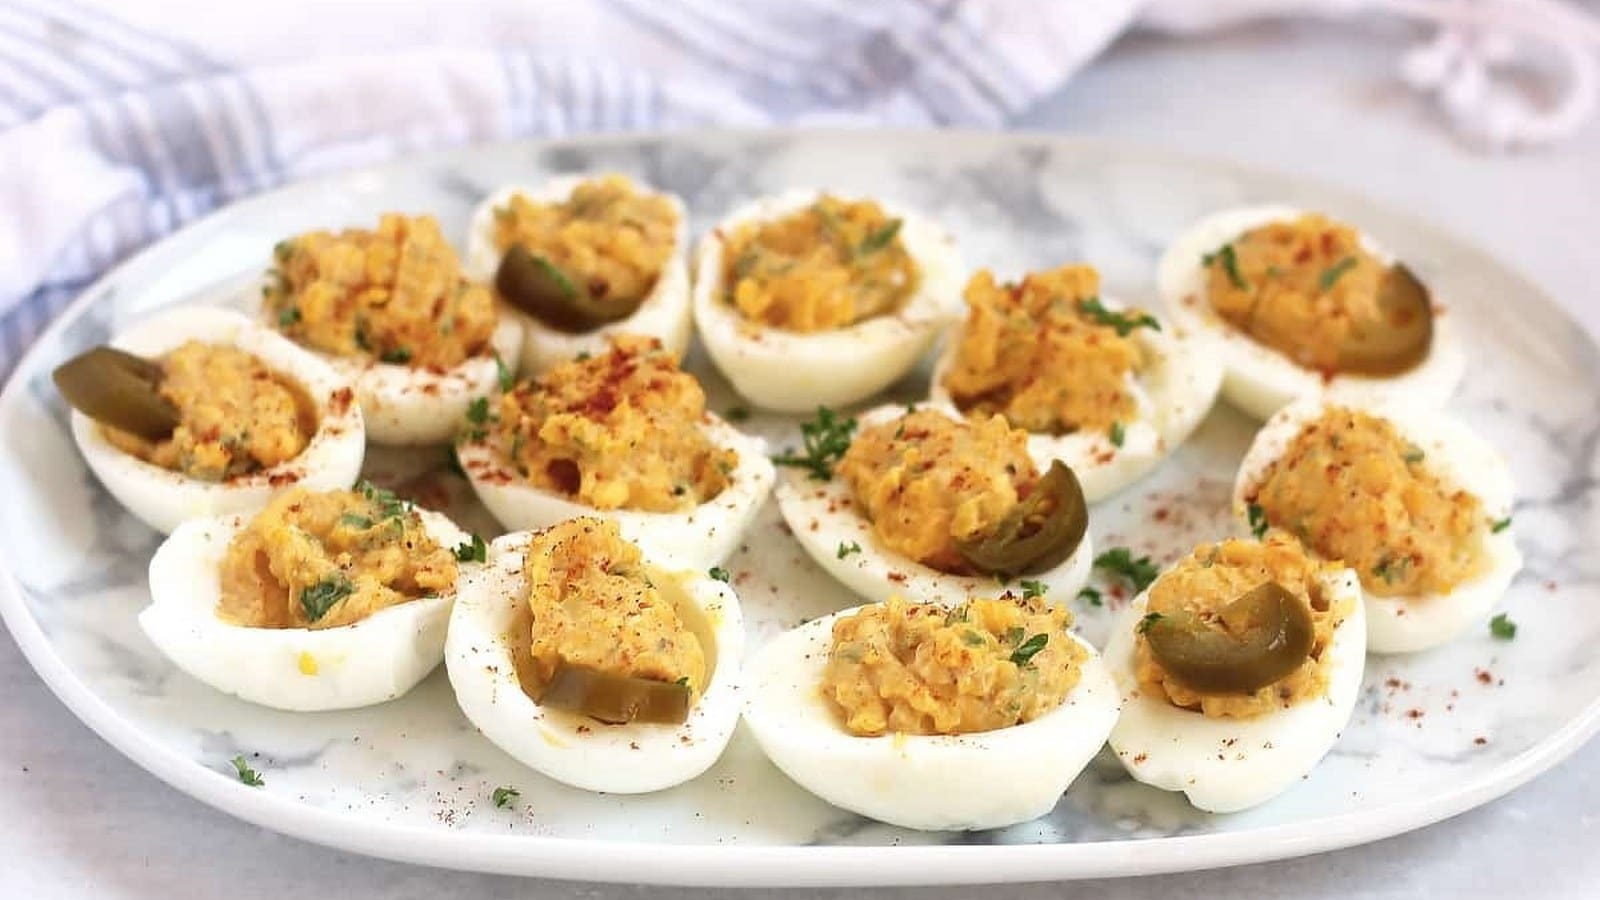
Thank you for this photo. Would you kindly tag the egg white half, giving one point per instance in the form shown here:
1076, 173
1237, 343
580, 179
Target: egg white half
695, 539
987, 779
1173, 393
376, 659
664, 314
796, 372
1260, 380
573, 749
823, 517
1462, 460
1225, 764
163, 498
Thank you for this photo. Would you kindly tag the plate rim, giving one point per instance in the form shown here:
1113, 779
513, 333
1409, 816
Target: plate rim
704, 864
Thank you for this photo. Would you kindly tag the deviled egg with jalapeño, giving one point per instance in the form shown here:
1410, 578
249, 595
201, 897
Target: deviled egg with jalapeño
199, 411
593, 665
1239, 667
390, 308
814, 299
582, 259
1302, 305
1107, 389
1413, 500
323, 600
927, 503
622, 434
932, 717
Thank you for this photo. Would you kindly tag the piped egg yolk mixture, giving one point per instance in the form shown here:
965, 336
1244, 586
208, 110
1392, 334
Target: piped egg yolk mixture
1352, 488
607, 238
620, 430
926, 481
1299, 287
914, 668
236, 416
1212, 577
394, 295
322, 560
591, 604
1046, 354
830, 265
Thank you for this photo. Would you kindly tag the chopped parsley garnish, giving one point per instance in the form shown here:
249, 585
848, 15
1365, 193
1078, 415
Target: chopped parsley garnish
503, 372
1500, 525
317, 599
474, 550
879, 239
584, 356
1117, 434
1414, 454
247, 775
555, 276
736, 414
1258, 520
396, 355
356, 520
478, 416
388, 504
1331, 274
972, 638
826, 438
1391, 569
1120, 561
1122, 322
847, 549
1025, 651
1090, 596
1148, 620
288, 316
503, 796
1230, 265
1502, 627
1032, 588
719, 573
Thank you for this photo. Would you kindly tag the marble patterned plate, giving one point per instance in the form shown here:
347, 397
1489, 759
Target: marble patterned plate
1433, 735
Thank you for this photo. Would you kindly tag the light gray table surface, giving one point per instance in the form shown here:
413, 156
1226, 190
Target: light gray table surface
79, 820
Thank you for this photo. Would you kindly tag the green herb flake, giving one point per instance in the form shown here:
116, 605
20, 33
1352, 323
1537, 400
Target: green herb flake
719, 573
1117, 434
847, 549
1230, 264
246, 774
474, 550
502, 796
1120, 561
1331, 274
556, 276
1414, 454
397, 355
879, 239
478, 410
972, 638
356, 521
1258, 520
1391, 569
825, 438
1026, 651
317, 599
503, 373
1148, 620
1122, 322
1032, 588
1090, 596
737, 414
1502, 627
583, 356
1500, 525
287, 316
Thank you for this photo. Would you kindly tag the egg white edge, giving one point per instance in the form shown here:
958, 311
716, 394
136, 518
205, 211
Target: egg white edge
664, 313
1174, 393
1221, 765
795, 372
822, 516
618, 759
162, 498
929, 782
1462, 460
262, 665
1253, 372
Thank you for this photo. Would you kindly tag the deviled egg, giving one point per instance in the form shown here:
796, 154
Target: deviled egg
1109, 390
1413, 500
812, 299
1305, 306
926, 503
328, 600
582, 259
1239, 667
389, 308
199, 411
625, 435
593, 665
923, 716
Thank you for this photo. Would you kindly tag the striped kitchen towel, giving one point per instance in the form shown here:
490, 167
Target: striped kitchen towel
119, 122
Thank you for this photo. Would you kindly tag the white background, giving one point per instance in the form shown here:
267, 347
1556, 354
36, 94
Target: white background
77, 820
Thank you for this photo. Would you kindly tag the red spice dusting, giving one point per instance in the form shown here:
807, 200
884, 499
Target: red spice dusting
1140, 759
1484, 676
897, 577
1480, 740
